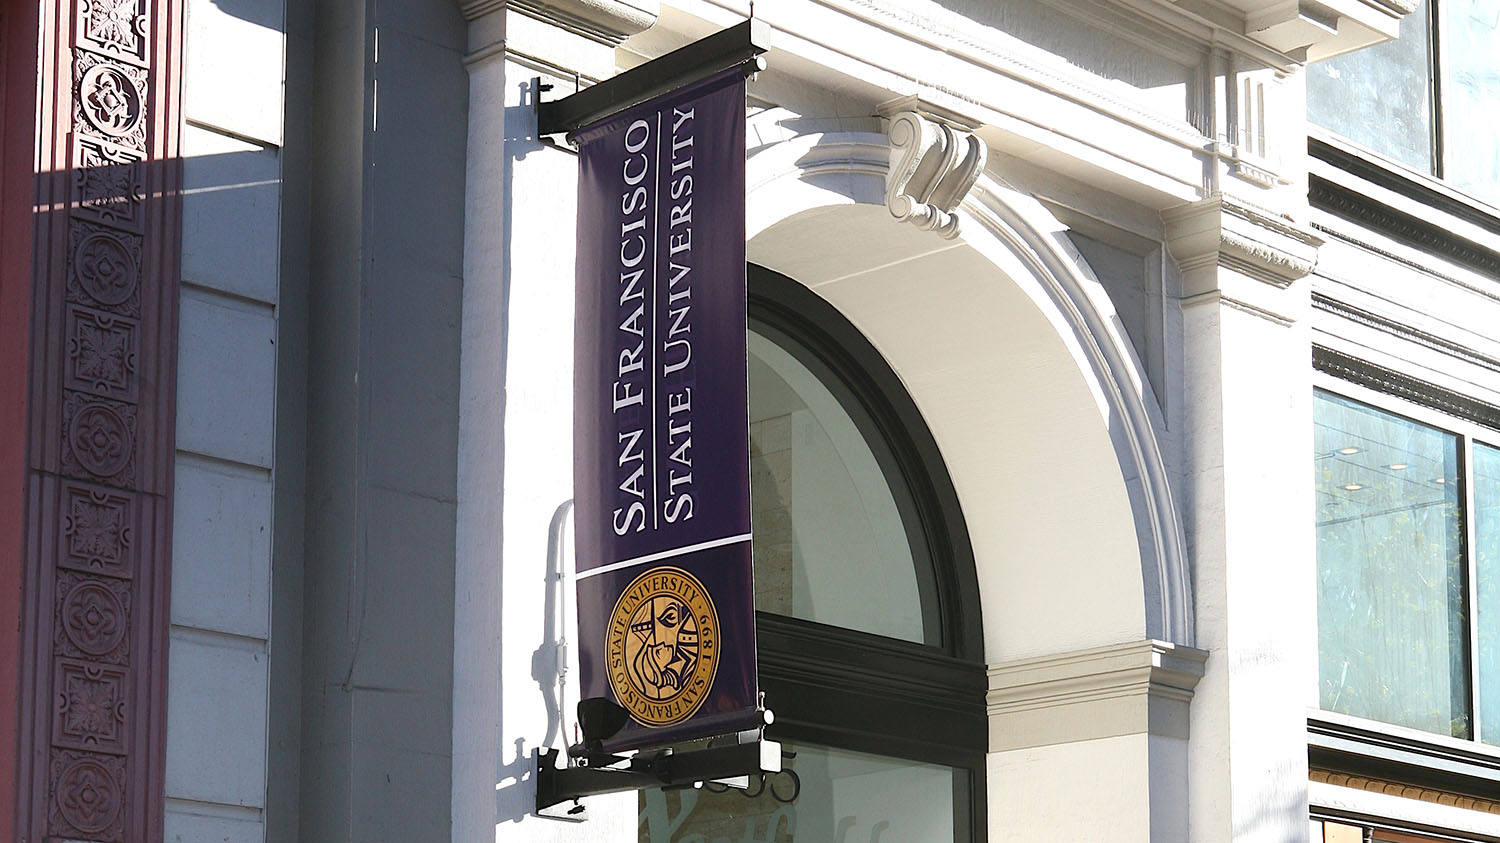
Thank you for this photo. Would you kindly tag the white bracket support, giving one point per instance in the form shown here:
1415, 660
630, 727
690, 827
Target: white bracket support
933, 166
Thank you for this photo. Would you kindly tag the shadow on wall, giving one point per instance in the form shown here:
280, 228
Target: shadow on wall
259, 12
515, 790
106, 316
1150, 68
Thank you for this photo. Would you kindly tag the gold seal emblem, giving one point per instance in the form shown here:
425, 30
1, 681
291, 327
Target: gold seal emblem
663, 646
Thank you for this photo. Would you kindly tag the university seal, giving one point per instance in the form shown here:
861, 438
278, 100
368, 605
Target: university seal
663, 646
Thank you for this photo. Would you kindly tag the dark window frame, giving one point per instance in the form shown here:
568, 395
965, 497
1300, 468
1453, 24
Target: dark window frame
856, 690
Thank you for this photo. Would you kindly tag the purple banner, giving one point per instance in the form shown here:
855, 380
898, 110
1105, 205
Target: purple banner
661, 433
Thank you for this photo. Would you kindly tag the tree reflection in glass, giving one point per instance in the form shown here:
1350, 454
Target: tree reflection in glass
1391, 625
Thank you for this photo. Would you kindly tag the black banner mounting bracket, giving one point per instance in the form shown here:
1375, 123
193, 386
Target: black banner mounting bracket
737, 46
747, 754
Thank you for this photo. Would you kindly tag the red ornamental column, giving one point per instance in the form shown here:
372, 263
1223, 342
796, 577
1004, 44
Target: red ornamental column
99, 422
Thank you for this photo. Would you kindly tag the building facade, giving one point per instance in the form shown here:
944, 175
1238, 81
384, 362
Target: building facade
1124, 402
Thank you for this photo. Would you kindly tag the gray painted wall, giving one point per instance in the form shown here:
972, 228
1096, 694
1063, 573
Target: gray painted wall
386, 129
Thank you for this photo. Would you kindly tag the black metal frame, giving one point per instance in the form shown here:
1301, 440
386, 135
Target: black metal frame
737, 46
855, 690
1403, 759
658, 769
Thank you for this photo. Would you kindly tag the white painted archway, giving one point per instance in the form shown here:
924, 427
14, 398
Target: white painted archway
1012, 351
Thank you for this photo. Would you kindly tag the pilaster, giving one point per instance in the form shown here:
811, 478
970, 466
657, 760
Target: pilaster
100, 421
1247, 427
1116, 717
385, 273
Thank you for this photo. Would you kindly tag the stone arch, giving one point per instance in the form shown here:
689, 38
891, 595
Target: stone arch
1013, 352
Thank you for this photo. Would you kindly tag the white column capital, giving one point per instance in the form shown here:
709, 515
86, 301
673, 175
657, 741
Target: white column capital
1141, 687
1222, 233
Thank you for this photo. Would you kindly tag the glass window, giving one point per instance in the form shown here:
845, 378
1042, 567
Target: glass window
1486, 487
821, 795
867, 629
1470, 45
1391, 624
831, 527
1381, 96
1343, 832
1408, 547
1388, 98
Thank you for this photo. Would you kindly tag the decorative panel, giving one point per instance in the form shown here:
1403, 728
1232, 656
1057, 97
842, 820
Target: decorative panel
100, 427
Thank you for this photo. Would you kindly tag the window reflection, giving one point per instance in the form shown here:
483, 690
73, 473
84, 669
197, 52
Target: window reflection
823, 796
1471, 95
1381, 96
832, 533
1487, 575
1391, 621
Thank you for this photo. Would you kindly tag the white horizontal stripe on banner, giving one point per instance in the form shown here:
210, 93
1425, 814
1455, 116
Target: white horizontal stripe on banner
665, 554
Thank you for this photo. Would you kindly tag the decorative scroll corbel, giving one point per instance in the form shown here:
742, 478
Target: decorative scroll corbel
933, 166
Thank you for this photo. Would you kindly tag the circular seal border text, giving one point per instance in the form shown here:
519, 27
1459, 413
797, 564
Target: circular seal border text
662, 646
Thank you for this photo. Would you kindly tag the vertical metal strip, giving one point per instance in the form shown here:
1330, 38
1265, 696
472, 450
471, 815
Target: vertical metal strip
1471, 580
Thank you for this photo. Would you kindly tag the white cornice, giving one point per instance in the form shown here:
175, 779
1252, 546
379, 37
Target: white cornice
1149, 666
1224, 232
606, 21
1137, 688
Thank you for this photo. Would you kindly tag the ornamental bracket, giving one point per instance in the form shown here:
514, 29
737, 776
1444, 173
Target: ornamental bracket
933, 166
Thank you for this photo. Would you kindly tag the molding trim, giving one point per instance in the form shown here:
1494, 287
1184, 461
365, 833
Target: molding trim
1224, 232
853, 167
1395, 756
1390, 381
1437, 195
1346, 237
606, 21
1422, 234
101, 422
1395, 328
928, 179
1421, 794
1142, 687
1023, 225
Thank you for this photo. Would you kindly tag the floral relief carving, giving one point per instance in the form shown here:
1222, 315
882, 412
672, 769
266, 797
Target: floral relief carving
90, 707
101, 353
93, 618
105, 265
106, 353
118, 27
108, 183
98, 530
88, 793
99, 438
110, 99
92, 624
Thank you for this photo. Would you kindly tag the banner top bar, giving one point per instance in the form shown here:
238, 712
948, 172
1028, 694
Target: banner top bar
735, 46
